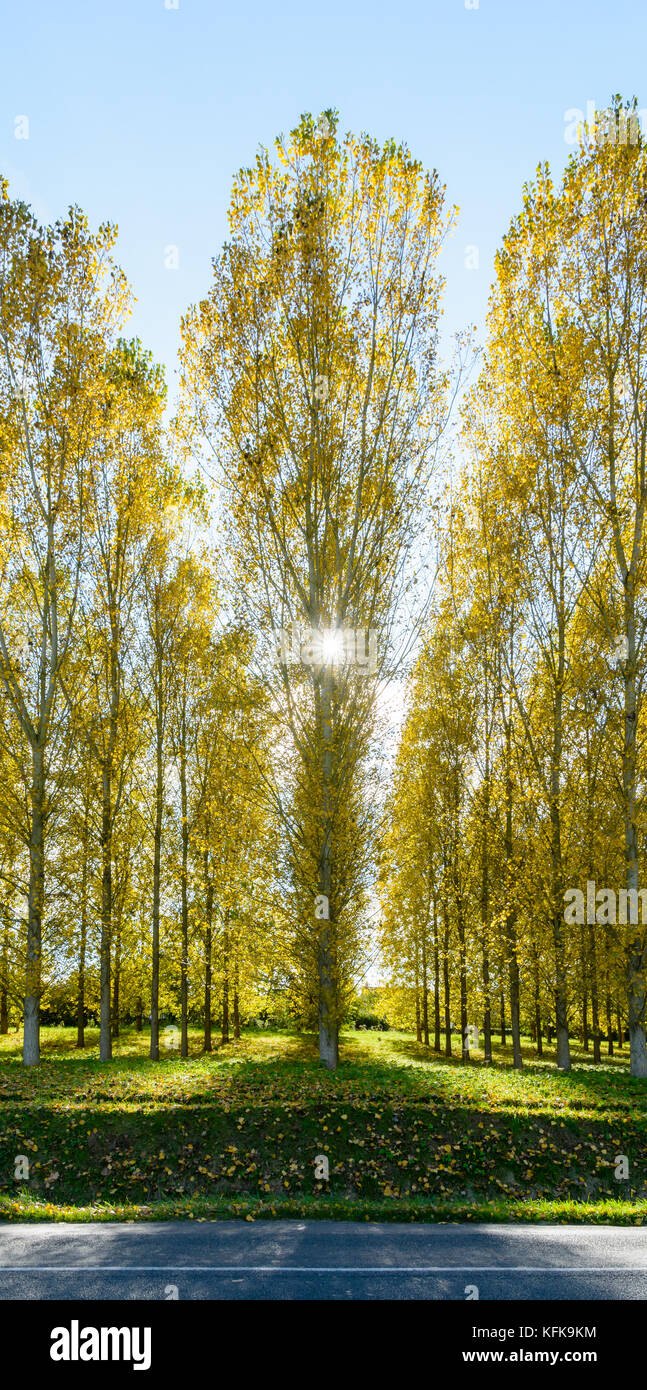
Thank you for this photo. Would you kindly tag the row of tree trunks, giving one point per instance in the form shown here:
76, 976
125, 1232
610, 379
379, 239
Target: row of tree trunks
538, 1031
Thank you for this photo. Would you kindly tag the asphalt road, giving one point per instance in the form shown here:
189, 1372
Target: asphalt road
299, 1260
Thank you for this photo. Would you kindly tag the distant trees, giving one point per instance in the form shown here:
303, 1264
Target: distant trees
544, 579
108, 614
194, 814
60, 300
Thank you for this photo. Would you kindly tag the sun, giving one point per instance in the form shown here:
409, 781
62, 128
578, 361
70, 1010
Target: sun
332, 646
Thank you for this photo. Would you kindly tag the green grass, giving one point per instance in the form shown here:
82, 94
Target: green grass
408, 1135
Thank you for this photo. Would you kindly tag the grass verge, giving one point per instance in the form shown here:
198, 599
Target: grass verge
409, 1135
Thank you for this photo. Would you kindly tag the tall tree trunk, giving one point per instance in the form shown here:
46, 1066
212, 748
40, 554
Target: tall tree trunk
328, 983
511, 915
608, 1006
465, 1045
595, 1003
557, 870
116, 982
4, 974
184, 963
447, 1001
107, 831
207, 957
537, 1000
80, 993
559, 944
425, 994
487, 1004
636, 945
436, 985
485, 886
513, 983
460, 922
513, 977
236, 1004
328, 1025
225, 985
105, 1030
585, 994
502, 1013
31, 1035
157, 874
139, 1014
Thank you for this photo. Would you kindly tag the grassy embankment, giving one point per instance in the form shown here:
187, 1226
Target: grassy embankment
408, 1135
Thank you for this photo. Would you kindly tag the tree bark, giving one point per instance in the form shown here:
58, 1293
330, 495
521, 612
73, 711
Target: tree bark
184, 963
207, 958
465, 1046
511, 915
559, 945
107, 832
585, 995
31, 1035
447, 1002
636, 945
608, 1006
328, 984
236, 1004
225, 987
157, 874
537, 1003
595, 1003
4, 975
116, 983
436, 986
80, 994
485, 886
425, 995
105, 1030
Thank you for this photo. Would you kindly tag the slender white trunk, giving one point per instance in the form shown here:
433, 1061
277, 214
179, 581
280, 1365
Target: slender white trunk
31, 1036
328, 983
635, 950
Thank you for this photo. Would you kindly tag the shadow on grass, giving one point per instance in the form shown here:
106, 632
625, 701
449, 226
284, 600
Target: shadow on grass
268, 1064
587, 1083
247, 1121
380, 1147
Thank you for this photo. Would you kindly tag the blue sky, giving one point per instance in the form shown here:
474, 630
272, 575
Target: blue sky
142, 113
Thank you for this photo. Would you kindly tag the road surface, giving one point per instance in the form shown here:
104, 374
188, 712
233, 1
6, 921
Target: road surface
341, 1260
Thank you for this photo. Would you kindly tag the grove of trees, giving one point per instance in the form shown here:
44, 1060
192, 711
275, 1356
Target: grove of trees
203, 619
